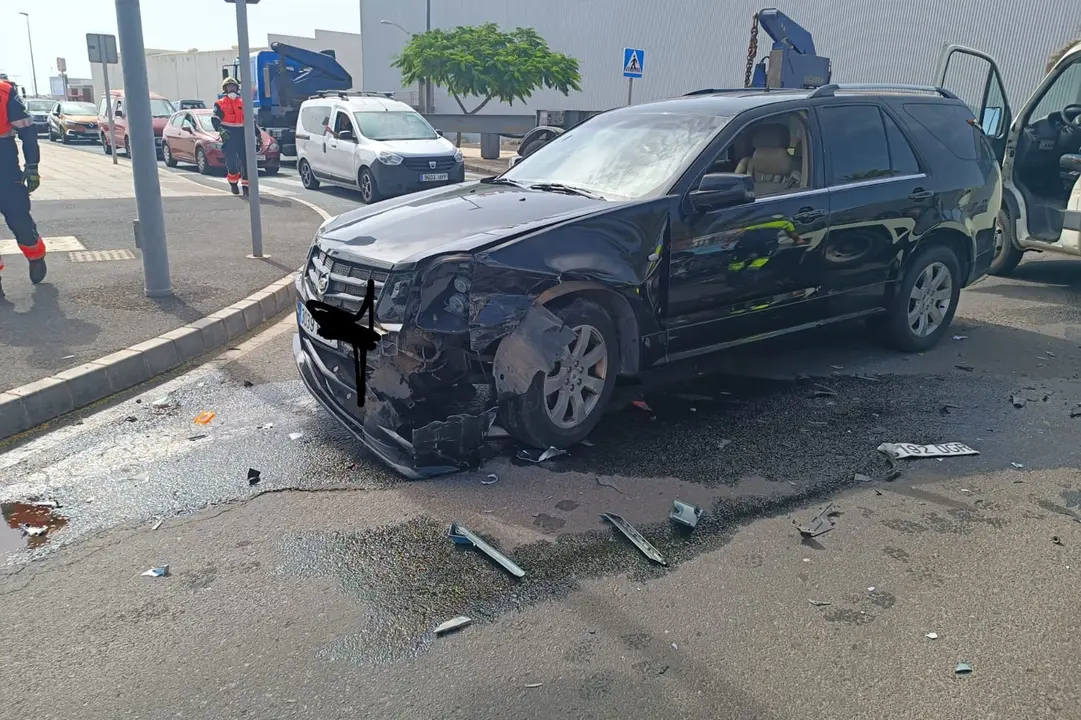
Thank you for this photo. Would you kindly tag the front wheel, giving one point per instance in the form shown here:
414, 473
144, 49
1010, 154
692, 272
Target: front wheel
924, 300
1007, 254
64, 139
201, 161
369, 190
52, 135
167, 155
563, 406
307, 177
271, 170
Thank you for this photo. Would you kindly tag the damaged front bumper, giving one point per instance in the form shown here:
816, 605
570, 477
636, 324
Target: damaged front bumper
417, 436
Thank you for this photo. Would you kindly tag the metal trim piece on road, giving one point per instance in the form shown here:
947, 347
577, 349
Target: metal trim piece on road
461, 536
635, 537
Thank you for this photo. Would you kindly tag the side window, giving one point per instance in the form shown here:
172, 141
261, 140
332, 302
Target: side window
175, 121
119, 107
855, 142
1064, 90
951, 124
101, 107
775, 151
315, 119
342, 123
902, 159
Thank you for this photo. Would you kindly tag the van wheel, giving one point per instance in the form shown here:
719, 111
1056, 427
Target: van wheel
563, 406
307, 177
924, 300
369, 191
1007, 254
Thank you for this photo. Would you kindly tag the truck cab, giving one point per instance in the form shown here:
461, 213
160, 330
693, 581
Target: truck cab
1040, 151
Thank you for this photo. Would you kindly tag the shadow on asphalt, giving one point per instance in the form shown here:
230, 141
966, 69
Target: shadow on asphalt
45, 319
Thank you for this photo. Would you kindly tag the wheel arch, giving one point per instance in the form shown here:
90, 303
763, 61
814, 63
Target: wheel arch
954, 238
617, 306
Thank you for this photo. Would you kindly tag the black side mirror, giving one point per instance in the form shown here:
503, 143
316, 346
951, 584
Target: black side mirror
722, 190
119, 113
347, 135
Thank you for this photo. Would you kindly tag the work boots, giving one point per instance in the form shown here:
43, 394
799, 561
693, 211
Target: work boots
37, 270
245, 191
233, 188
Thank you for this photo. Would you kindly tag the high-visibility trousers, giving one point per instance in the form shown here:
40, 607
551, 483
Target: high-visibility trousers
15, 206
236, 163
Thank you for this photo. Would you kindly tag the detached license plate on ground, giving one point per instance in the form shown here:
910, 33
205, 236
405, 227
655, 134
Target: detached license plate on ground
899, 451
307, 324
433, 177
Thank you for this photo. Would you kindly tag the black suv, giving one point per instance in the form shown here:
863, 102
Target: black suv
644, 235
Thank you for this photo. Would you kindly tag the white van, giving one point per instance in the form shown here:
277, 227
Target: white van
380, 146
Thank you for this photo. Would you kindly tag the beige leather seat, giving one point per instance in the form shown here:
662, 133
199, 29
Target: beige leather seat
774, 170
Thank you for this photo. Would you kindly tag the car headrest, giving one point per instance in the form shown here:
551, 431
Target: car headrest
772, 161
771, 136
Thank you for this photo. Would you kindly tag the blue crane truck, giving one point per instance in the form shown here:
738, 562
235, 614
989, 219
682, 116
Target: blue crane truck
283, 77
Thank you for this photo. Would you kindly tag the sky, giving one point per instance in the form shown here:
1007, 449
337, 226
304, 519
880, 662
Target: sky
59, 27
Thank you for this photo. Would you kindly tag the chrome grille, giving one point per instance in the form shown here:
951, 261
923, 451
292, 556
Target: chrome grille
348, 280
443, 163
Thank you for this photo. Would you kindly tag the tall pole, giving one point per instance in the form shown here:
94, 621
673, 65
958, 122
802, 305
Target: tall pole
630, 90
249, 128
144, 161
429, 92
109, 112
30, 41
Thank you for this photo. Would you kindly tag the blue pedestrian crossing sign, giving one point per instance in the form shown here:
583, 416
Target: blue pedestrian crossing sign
634, 63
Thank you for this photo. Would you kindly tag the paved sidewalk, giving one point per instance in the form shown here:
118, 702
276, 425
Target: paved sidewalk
93, 303
475, 163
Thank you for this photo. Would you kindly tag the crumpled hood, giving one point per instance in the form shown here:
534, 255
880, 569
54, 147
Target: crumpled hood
457, 218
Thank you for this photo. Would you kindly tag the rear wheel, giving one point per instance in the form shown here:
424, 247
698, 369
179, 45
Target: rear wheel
924, 300
105, 145
563, 406
307, 178
1007, 254
201, 161
127, 147
271, 170
167, 155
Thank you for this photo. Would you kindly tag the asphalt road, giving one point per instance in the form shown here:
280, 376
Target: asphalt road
314, 594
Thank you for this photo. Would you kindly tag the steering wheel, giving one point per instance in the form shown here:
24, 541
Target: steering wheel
1071, 113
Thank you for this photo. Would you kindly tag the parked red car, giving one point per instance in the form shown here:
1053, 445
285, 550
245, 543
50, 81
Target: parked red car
190, 137
160, 108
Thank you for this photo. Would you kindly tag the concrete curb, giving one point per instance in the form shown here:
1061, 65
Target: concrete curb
28, 406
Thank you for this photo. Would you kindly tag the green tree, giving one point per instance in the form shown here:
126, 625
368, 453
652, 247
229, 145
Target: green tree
483, 62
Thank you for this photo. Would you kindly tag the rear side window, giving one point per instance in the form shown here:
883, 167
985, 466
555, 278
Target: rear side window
902, 159
315, 118
856, 143
949, 123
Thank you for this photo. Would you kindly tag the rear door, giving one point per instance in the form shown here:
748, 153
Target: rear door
975, 78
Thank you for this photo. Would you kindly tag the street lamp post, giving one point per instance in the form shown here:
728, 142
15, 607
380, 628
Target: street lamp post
422, 89
30, 40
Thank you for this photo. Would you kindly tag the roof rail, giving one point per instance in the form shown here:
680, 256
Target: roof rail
832, 89
714, 91
354, 93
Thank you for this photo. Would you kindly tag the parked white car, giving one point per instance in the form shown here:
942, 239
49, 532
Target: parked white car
378, 145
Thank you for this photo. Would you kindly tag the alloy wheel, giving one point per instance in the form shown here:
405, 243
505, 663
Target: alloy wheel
365, 187
930, 299
574, 386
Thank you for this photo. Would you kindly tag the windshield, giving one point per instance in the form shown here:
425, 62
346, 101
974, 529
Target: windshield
394, 126
161, 108
39, 106
620, 155
78, 108
206, 122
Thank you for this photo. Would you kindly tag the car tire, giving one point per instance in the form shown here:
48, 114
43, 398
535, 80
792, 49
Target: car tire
534, 417
369, 189
65, 140
201, 162
52, 136
271, 170
105, 146
307, 177
932, 276
1007, 254
167, 155
127, 147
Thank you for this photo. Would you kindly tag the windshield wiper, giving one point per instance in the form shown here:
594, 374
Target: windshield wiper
499, 181
568, 189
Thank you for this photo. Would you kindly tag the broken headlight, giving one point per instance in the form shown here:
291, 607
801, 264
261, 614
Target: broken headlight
444, 295
394, 298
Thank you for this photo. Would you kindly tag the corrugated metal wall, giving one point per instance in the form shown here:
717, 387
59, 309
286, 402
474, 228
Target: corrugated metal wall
692, 44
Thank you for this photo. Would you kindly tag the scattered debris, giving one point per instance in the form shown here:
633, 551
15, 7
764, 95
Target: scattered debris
722, 444
860, 477
1076, 412
197, 436
1017, 465
462, 536
131, 418
685, 514
871, 589
608, 485
966, 368
949, 406
53, 504
456, 623
296, 435
164, 402
635, 537
34, 531
204, 417
822, 391
157, 524
586, 443
819, 603
893, 475
820, 523
868, 378
931, 636
1049, 354
1057, 540
248, 384
838, 367
496, 431
490, 479
162, 571
960, 337
533, 685
963, 669
254, 476
1018, 401
533, 456
898, 451
642, 405
265, 426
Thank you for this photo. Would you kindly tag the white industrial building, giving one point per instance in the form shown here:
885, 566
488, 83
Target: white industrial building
692, 44
197, 74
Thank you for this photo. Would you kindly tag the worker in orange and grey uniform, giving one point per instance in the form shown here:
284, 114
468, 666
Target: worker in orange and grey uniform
18, 181
229, 122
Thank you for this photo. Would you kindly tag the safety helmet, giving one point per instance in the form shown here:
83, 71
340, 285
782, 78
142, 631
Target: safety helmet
229, 81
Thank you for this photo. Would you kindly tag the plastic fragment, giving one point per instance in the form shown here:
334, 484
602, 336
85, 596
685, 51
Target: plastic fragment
966, 368
635, 537
496, 431
962, 669
455, 623
204, 417
819, 390
54, 504
860, 477
931, 636
248, 384
164, 402
490, 479
820, 523
1017, 465
685, 514
586, 443
534, 685
1076, 412
162, 571
296, 435
34, 531
254, 476
819, 603
533, 457
197, 436
265, 426
642, 405
462, 536
157, 524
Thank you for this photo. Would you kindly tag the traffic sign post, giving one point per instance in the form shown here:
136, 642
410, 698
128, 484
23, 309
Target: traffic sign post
249, 125
102, 49
634, 67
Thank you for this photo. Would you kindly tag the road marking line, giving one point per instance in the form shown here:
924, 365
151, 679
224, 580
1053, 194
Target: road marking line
62, 243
